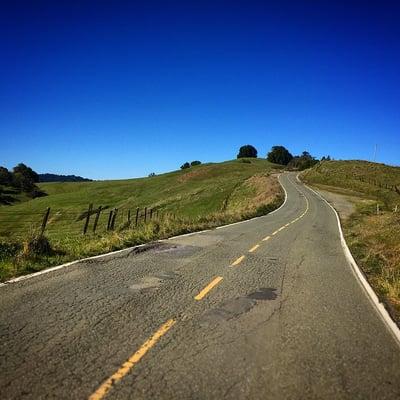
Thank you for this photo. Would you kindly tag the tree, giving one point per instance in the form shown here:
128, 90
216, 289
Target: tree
185, 166
279, 155
194, 163
23, 182
5, 176
247, 151
151, 174
305, 160
27, 172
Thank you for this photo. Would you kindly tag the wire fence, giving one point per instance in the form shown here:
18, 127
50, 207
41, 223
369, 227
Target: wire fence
92, 221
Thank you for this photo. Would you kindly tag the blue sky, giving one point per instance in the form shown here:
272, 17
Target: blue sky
121, 89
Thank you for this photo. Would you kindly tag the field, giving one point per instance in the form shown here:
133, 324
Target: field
182, 201
373, 230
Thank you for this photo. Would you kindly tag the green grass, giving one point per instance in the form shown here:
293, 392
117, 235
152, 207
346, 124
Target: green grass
364, 177
200, 197
374, 240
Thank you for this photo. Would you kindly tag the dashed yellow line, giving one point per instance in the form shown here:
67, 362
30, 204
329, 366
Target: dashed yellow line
237, 261
274, 233
209, 287
106, 386
254, 248
266, 238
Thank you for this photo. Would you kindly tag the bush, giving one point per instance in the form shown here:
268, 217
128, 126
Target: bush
194, 163
247, 151
36, 245
279, 155
185, 166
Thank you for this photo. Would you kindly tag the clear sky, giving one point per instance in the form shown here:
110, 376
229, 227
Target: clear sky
114, 89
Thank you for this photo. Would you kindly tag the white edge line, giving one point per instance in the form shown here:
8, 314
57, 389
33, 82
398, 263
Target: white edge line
51, 269
379, 307
55, 268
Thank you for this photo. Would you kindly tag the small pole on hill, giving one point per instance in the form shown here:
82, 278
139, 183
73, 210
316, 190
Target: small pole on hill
96, 220
137, 216
129, 217
375, 150
89, 212
114, 218
145, 214
44, 221
109, 220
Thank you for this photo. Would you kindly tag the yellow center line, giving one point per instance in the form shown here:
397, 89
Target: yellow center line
266, 238
254, 248
274, 233
281, 228
106, 386
213, 283
237, 261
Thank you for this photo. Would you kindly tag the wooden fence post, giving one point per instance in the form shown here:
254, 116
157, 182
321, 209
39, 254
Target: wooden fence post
129, 218
87, 218
137, 216
114, 218
151, 214
96, 220
145, 214
44, 221
109, 220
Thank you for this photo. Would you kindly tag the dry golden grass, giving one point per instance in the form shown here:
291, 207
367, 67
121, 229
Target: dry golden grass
374, 240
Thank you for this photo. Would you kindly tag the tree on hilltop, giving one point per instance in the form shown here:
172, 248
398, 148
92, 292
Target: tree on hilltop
279, 155
185, 165
247, 151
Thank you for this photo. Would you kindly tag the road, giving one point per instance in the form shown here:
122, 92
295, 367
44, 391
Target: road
265, 309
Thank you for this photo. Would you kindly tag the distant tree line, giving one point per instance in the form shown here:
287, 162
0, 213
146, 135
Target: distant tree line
281, 155
22, 179
62, 178
192, 164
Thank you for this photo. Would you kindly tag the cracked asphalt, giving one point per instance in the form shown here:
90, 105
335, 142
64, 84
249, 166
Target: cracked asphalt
289, 321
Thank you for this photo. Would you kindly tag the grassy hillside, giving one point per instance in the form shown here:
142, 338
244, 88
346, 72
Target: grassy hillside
377, 181
186, 200
374, 239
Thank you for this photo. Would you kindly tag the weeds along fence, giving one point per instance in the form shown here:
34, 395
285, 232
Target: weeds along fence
378, 184
92, 221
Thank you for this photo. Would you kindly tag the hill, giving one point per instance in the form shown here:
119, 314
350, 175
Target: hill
62, 178
186, 200
378, 181
372, 233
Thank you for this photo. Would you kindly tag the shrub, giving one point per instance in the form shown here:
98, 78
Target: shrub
247, 151
185, 166
279, 155
36, 245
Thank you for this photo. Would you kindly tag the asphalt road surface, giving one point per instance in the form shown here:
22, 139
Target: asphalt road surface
266, 309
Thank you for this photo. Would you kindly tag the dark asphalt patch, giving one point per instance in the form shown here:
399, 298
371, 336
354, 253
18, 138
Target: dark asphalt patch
235, 307
264, 294
228, 310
